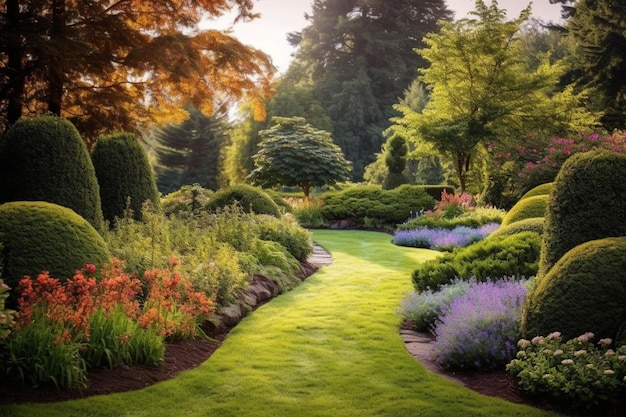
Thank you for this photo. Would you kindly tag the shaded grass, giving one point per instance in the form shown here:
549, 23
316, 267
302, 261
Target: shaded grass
331, 347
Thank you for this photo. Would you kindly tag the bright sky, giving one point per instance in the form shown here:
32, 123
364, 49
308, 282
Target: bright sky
279, 17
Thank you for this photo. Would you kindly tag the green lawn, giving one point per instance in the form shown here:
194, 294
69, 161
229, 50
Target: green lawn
331, 347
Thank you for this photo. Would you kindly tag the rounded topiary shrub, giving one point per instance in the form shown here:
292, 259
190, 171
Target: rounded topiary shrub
189, 199
251, 199
40, 236
541, 189
44, 159
526, 208
587, 203
533, 224
124, 174
583, 292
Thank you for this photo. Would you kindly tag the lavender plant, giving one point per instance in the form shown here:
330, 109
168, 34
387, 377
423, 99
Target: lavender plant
479, 330
422, 309
443, 239
577, 372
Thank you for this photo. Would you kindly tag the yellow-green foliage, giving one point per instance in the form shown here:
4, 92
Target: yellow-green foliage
526, 208
541, 189
40, 236
533, 224
251, 199
583, 292
44, 159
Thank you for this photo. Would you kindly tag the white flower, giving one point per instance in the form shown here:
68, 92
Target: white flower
567, 361
609, 353
557, 352
621, 358
605, 342
554, 335
581, 352
608, 372
589, 366
537, 340
523, 344
585, 337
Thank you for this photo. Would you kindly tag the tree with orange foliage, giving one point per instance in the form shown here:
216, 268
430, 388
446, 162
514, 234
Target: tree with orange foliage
113, 64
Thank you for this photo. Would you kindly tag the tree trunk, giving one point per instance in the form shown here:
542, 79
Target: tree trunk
462, 165
15, 52
306, 189
55, 70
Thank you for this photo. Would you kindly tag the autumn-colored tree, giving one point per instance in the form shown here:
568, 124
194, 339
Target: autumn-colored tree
108, 65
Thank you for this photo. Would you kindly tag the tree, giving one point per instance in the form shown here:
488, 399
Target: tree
395, 160
482, 91
598, 28
109, 65
189, 152
357, 57
294, 153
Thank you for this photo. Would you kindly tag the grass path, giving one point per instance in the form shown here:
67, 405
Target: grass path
331, 347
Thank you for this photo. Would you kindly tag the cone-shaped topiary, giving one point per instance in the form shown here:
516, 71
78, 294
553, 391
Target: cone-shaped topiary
587, 203
44, 159
526, 208
251, 199
583, 292
40, 236
123, 172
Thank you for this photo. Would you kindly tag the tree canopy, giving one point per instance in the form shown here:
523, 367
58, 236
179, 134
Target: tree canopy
483, 91
294, 153
108, 65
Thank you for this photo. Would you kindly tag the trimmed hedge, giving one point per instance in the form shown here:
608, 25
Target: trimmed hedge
493, 258
40, 236
251, 199
123, 172
533, 224
526, 208
44, 159
541, 189
587, 203
374, 206
583, 292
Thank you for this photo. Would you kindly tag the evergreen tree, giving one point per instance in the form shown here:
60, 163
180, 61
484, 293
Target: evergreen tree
395, 160
189, 152
357, 57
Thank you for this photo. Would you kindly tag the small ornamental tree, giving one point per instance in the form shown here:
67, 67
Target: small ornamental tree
294, 153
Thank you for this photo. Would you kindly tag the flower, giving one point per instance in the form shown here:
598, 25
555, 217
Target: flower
605, 342
537, 340
621, 358
89, 268
585, 337
553, 335
523, 344
581, 352
609, 353
557, 352
608, 372
567, 361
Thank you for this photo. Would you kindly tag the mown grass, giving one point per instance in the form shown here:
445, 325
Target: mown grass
331, 347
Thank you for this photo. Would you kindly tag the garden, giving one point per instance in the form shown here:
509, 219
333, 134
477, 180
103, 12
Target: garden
101, 274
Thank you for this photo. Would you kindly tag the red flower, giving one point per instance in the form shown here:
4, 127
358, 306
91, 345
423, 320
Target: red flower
89, 268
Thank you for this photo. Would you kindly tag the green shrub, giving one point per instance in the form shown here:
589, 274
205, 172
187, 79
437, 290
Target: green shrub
583, 292
124, 174
44, 159
526, 208
295, 239
189, 199
541, 189
280, 201
251, 199
502, 256
533, 224
372, 204
40, 236
587, 203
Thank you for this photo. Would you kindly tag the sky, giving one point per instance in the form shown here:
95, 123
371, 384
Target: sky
279, 17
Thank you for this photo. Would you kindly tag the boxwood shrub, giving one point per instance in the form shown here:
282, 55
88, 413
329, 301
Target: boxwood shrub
533, 224
124, 173
541, 189
251, 199
44, 159
502, 256
526, 208
587, 203
583, 292
40, 236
